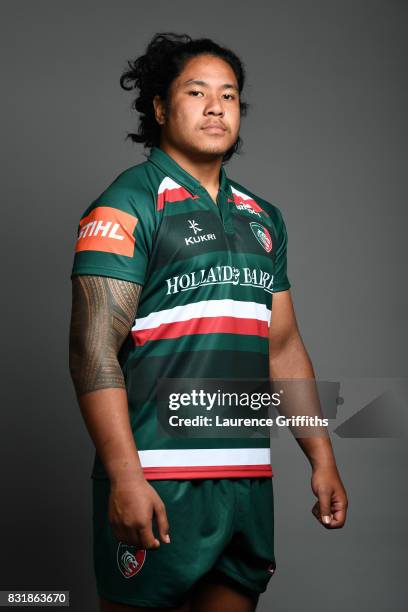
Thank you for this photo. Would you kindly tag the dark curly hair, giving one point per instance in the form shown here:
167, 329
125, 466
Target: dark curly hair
153, 73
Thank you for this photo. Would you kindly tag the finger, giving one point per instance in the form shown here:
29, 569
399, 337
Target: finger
325, 506
127, 535
162, 522
147, 538
339, 518
316, 512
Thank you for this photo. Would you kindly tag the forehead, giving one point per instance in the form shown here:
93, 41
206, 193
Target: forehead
208, 68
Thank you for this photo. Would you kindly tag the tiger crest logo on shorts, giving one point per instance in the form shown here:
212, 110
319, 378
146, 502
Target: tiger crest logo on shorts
130, 559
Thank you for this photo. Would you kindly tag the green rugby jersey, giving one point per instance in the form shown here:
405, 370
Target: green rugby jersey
208, 273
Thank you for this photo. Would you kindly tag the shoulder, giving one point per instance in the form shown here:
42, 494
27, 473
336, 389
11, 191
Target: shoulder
133, 190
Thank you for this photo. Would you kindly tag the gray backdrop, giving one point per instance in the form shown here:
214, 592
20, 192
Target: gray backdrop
325, 140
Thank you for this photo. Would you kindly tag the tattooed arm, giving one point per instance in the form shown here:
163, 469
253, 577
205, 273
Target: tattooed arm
103, 311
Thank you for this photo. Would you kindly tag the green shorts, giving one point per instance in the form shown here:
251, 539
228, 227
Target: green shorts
223, 525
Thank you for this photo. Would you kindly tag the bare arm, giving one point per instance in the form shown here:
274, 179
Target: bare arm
288, 358
103, 311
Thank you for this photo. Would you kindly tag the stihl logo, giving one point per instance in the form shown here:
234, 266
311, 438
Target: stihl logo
107, 229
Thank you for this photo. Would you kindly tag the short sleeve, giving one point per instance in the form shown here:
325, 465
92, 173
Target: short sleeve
281, 281
115, 235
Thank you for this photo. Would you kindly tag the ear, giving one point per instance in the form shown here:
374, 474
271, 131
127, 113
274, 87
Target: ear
159, 110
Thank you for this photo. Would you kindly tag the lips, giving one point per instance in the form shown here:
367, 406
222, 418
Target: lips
214, 126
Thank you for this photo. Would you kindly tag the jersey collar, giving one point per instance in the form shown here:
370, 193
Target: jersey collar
170, 167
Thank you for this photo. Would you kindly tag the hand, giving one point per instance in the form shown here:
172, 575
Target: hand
132, 505
331, 507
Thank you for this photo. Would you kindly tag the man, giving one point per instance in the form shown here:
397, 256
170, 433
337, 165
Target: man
174, 273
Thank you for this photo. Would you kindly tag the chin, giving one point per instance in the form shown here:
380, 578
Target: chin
213, 148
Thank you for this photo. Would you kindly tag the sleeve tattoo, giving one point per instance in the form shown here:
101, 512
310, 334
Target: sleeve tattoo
103, 312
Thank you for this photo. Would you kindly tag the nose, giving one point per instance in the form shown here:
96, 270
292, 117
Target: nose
214, 106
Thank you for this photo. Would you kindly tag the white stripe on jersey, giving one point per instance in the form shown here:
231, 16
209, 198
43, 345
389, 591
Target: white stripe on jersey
194, 457
167, 183
244, 196
205, 308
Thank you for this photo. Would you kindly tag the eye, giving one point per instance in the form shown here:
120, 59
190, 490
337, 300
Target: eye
195, 91
231, 96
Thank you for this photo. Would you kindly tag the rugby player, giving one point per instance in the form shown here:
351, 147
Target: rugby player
180, 271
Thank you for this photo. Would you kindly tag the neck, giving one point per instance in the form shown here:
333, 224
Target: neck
205, 170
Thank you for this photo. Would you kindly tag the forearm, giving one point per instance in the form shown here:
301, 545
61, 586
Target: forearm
290, 360
106, 416
293, 362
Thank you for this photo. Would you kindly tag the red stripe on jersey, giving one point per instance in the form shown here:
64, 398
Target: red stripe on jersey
173, 195
203, 325
209, 471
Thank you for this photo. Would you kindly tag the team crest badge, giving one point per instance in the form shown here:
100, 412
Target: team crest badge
262, 235
130, 559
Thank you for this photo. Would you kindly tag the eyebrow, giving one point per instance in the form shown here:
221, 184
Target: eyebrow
204, 84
